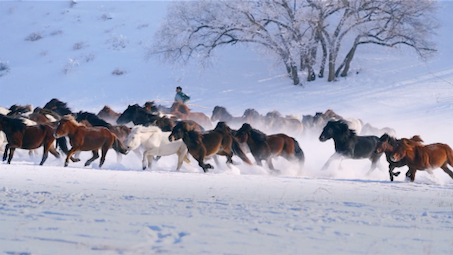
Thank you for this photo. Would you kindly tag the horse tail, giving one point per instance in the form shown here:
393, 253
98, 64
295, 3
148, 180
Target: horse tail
236, 148
298, 152
118, 146
449, 152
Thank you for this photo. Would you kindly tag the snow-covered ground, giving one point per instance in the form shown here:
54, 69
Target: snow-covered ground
120, 209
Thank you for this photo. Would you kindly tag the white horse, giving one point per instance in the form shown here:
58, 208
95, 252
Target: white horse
155, 143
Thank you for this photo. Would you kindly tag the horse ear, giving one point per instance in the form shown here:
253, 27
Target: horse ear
417, 138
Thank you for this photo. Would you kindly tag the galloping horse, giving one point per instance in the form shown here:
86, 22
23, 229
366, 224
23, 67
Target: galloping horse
422, 157
180, 110
264, 147
58, 106
278, 124
349, 145
21, 136
155, 143
200, 145
386, 144
140, 116
253, 117
108, 114
84, 138
221, 114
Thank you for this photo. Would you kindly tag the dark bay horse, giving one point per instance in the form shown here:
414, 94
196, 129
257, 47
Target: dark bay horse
221, 114
349, 145
84, 138
140, 116
201, 145
265, 147
386, 144
422, 157
26, 137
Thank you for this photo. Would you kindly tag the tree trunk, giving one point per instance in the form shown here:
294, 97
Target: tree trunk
295, 75
347, 60
331, 67
324, 57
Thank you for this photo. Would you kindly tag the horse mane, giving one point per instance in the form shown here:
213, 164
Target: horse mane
92, 119
257, 135
59, 106
222, 127
343, 127
15, 123
47, 112
71, 118
274, 114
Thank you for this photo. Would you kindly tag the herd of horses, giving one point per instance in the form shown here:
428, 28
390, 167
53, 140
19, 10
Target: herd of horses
153, 131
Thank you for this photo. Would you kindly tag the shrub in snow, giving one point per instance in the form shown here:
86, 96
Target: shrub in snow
117, 71
33, 37
88, 58
4, 68
118, 42
70, 66
79, 45
106, 17
56, 32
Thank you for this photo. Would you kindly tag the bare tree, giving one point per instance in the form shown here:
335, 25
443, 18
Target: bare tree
198, 28
294, 31
379, 22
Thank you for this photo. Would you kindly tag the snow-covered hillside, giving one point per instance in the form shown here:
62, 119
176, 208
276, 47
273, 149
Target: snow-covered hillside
120, 209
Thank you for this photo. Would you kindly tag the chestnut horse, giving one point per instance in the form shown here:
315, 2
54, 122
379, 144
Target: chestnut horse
201, 145
21, 136
386, 144
84, 138
264, 147
422, 157
108, 114
180, 110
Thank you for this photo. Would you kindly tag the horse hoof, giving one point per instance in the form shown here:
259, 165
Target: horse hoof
144, 168
65, 164
396, 174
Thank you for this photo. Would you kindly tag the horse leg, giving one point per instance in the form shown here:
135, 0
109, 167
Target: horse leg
11, 154
144, 161
104, 151
410, 175
95, 156
446, 170
373, 166
150, 158
5, 153
335, 156
203, 165
391, 173
45, 154
182, 152
270, 164
69, 156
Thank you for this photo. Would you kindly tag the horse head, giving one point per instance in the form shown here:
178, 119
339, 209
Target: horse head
65, 126
128, 115
403, 148
217, 113
178, 131
58, 106
243, 133
335, 129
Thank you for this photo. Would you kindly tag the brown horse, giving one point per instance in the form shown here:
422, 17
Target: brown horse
26, 137
180, 110
84, 138
264, 147
221, 114
275, 122
422, 157
201, 145
386, 144
108, 114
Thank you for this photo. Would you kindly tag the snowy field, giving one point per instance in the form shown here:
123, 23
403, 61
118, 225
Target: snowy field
121, 209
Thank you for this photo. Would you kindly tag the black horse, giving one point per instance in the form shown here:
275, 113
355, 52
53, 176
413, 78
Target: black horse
349, 145
138, 115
